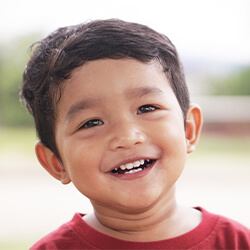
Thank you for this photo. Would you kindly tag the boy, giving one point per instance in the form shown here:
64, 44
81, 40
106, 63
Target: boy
112, 113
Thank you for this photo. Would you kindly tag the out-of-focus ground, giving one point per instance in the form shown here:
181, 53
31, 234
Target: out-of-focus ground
216, 177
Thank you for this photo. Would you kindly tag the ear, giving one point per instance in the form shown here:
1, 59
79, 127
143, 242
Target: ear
50, 162
193, 126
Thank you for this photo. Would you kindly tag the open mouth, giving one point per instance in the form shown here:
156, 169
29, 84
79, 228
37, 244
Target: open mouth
133, 167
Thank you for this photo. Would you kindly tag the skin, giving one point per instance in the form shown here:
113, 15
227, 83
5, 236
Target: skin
114, 112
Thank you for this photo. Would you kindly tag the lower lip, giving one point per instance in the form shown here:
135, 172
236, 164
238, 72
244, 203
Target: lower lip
134, 175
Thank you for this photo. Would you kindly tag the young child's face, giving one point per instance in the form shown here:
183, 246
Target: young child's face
115, 113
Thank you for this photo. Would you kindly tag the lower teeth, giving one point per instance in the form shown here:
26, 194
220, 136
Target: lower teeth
133, 171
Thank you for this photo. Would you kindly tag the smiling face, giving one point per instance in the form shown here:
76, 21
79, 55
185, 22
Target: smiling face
120, 133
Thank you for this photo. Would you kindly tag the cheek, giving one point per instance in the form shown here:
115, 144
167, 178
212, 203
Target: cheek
171, 133
83, 170
81, 159
173, 146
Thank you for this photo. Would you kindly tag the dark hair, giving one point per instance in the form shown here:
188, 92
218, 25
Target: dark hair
67, 48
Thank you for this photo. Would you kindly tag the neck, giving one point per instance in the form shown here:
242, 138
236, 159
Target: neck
159, 221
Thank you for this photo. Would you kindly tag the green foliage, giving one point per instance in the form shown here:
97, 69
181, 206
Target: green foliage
238, 84
13, 58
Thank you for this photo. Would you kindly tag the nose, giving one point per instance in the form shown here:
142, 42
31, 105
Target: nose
125, 135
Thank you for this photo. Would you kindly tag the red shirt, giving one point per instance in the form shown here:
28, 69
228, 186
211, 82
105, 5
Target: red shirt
214, 232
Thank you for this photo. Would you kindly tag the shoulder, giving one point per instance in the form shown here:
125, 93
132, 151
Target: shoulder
233, 230
62, 237
226, 233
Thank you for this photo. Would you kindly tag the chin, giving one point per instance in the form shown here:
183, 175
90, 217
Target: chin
140, 203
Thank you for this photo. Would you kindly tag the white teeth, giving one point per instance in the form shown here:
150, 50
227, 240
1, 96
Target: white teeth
134, 171
136, 164
138, 170
130, 166
122, 167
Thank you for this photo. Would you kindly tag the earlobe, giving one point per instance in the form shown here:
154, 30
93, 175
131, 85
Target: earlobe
50, 163
193, 126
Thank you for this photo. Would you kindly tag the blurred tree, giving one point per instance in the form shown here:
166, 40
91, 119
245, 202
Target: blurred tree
238, 84
13, 58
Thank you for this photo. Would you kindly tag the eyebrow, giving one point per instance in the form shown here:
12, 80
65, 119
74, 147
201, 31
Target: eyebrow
142, 91
94, 101
82, 105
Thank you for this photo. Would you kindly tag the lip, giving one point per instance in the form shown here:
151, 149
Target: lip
134, 175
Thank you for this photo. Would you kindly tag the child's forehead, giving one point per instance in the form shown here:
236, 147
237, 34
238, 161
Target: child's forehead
127, 70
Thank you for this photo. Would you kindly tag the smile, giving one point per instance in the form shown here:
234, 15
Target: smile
134, 167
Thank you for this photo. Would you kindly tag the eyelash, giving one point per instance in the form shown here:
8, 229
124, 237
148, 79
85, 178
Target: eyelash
146, 109
92, 123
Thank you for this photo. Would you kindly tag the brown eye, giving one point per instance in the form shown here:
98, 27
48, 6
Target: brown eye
92, 123
146, 109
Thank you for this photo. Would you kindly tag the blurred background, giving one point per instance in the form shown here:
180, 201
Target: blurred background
212, 38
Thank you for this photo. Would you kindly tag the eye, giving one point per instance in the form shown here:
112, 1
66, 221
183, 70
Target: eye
146, 109
92, 123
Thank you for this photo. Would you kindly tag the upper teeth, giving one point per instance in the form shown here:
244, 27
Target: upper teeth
132, 165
